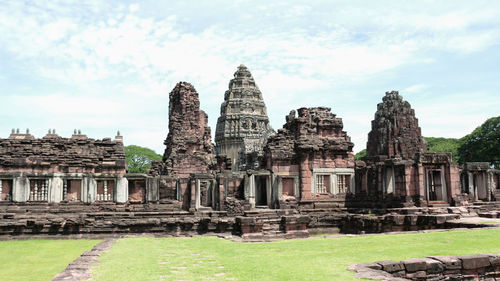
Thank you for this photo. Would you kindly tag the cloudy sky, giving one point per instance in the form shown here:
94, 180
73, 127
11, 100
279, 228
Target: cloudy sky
103, 66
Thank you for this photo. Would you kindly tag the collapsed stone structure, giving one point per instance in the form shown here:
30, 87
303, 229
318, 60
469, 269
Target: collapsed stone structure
397, 169
54, 169
253, 183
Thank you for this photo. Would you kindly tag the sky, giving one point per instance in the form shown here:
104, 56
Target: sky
103, 66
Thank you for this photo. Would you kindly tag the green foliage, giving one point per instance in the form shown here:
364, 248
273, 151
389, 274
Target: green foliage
360, 155
39, 259
139, 158
444, 145
483, 144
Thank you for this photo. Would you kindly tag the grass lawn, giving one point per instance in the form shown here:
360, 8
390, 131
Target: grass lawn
38, 259
204, 258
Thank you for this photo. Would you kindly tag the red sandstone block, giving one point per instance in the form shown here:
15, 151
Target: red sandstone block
474, 261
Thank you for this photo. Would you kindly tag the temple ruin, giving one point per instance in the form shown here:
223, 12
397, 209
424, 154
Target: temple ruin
243, 126
54, 169
397, 169
254, 182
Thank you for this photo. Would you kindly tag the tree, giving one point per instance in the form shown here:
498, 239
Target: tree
483, 144
139, 158
443, 145
360, 155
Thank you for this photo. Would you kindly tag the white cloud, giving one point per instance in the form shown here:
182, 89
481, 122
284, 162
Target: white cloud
119, 57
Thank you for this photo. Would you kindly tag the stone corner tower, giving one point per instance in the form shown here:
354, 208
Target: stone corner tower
243, 126
395, 132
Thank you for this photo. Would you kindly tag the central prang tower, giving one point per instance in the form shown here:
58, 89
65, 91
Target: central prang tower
243, 126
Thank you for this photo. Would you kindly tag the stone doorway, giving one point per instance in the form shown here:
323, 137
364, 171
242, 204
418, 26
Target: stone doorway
261, 190
206, 194
5, 190
479, 186
436, 186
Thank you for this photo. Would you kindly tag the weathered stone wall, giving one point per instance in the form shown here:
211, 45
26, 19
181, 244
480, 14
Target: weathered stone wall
23, 153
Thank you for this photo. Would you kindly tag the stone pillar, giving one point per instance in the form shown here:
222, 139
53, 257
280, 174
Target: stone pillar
444, 186
251, 190
121, 190
55, 189
20, 189
279, 189
152, 189
90, 189
471, 185
194, 203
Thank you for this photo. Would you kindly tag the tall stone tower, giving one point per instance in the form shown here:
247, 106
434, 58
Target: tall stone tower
189, 147
395, 131
243, 126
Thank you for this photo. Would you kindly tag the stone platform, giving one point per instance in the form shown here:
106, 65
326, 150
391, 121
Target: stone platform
116, 220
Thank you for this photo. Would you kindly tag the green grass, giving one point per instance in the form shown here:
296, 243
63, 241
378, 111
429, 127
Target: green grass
38, 259
202, 258
491, 222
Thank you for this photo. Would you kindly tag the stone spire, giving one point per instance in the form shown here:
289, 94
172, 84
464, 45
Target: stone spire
189, 145
395, 131
243, 126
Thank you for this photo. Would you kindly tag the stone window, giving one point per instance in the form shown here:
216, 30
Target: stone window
288, 186
136, 191
344, 183
322, 183
72, 190
105, 190
5, 190
39, 190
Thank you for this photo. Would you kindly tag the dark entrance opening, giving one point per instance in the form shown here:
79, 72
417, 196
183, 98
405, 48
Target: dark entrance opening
261, 190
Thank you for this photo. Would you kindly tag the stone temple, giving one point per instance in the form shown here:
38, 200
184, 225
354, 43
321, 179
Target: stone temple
243, 126
254, 182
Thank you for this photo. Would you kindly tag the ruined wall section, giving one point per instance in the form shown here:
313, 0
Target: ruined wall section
53, 154
395, 131
189, 148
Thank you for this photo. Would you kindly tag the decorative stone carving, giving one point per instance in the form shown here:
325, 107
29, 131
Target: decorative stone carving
243, 127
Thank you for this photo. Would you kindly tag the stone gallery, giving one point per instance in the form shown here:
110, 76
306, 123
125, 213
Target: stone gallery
254, 182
